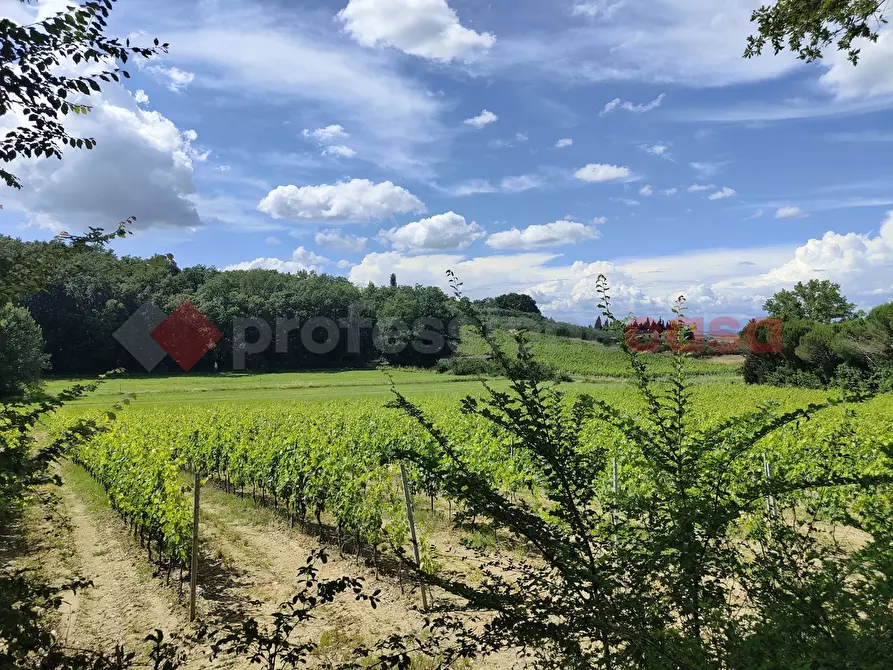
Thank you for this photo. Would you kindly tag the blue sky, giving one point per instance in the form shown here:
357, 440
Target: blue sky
528, 146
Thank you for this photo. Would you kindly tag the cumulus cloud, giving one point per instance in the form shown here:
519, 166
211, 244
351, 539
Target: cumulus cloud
174, 78
340, 241
601, 172
426, 28
861, 263
669, 191
548, 235
357, 200
141, 97
486, 117
442, 231
694, 188
327, 134
724, 192
142, 165
603, 9
521, 137
564, 142
646, 190
301, 259
617, 103
789, 212
872, 78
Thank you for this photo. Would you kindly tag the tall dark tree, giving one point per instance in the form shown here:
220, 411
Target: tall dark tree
393, 280
32, 85
598, 323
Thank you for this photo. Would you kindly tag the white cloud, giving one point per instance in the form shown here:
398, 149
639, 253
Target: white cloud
724, 192
301, 259
273, 240
756, 215
344, 264
515, 184
630, 202
601, 172
873, 77
694, 188
176, 79
548, 235
426, 28
862, 264
646, 190
617, 103
442, 231
790, 212
705, 169
141, 97
339, 150
656, 150
222, 168
599, 220
523, 182
355, 200
284, 56
696, 43
471, 187
340, 242
601, 9
521, 137
715, 282
564, 142
142, 165
486, 117
327, 134
669, 191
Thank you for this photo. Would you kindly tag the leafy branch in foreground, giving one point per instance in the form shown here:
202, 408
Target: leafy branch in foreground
682, 563
34, 86
807, 27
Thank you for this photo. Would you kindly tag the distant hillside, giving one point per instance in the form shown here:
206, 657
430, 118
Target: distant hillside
588, 358
498, 318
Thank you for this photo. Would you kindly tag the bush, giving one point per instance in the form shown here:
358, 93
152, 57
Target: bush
22, 357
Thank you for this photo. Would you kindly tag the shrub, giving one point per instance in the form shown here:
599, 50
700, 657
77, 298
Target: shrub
22, 357
697, 561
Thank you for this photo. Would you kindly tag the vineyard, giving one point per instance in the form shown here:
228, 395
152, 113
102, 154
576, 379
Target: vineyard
330, 463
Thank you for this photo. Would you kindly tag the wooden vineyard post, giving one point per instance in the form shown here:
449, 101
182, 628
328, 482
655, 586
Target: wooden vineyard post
193, 570
415, 542
770, 499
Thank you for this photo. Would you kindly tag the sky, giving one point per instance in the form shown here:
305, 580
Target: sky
527, 145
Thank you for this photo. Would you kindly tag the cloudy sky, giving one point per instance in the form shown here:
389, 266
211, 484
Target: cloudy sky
527, 145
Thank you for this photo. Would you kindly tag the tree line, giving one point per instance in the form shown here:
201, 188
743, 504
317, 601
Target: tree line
90, 293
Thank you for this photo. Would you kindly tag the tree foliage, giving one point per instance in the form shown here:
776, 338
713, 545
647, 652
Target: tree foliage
808, 27
818, 300
34, 60
22, 357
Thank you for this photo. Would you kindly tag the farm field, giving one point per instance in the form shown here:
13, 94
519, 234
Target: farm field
293, 459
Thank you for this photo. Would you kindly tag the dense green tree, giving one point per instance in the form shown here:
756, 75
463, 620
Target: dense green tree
34, 85
22, 357
808, 27
393, 280
816, 300
519, 302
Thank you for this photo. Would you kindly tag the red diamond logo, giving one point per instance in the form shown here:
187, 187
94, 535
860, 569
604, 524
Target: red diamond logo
186, 335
